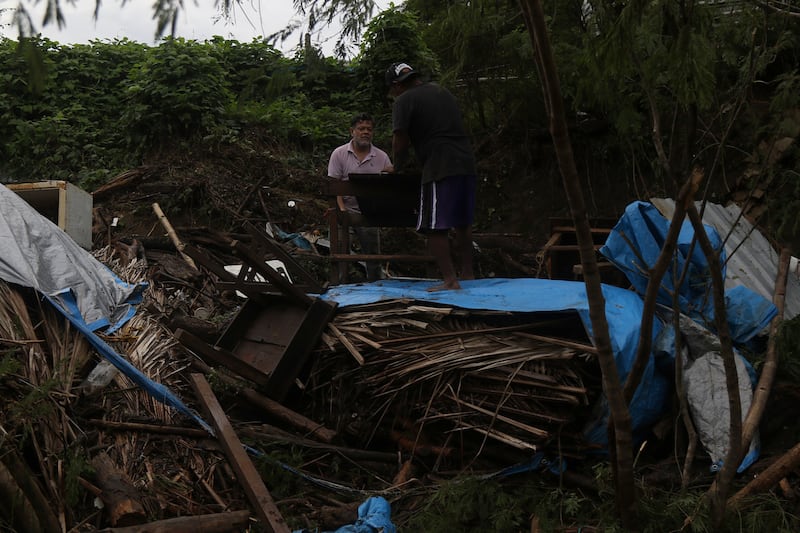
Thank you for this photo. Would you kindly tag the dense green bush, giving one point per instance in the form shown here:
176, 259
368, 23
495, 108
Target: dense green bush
62, 119
83, 113
180, 89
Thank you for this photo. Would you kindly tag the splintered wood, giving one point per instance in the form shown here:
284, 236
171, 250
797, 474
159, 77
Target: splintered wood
456, 377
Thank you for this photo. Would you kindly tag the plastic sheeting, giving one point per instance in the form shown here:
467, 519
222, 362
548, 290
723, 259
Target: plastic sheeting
634, 245
374, 516
37, 253
706, 390
623, 313
752, 261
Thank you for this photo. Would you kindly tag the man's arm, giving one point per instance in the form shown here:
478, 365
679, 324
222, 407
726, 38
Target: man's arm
336, 171
400, 149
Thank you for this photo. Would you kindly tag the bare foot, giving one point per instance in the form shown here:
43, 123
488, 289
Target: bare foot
447, 286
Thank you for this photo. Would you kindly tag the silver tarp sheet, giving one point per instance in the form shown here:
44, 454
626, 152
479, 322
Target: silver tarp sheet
36, 253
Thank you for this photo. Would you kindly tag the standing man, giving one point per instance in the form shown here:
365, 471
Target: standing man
359, 156
426, 116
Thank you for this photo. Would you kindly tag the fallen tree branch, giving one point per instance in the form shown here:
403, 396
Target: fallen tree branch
769, 477
120, 497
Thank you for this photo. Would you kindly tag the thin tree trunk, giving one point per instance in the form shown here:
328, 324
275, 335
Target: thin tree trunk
770, 367
721, 487
620, 416
655, 275
789, 461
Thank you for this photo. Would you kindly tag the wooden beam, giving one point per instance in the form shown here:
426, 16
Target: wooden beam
284, 414
204, 523
381, 257
246, 472
571, 229
264, 241
221, 356
255, 261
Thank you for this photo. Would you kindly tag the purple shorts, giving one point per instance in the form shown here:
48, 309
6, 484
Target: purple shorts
447, 203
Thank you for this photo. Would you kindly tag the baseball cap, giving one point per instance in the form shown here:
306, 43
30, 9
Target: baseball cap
398, 72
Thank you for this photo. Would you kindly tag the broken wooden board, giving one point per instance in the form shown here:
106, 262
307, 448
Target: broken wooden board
254, 487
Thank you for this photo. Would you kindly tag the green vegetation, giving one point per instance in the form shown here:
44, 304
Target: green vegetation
651, 89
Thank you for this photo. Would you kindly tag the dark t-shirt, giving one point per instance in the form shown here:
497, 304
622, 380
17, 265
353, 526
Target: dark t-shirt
430, 115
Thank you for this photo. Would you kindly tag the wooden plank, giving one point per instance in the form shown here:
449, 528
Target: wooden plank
246, 472
601, 266
221, 356
570, 229
263, 240
294, 419
380, 257
204, 523
255, 261
569, 248
554, 238
249, 287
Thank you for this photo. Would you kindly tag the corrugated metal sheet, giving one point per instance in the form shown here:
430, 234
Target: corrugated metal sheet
752, 261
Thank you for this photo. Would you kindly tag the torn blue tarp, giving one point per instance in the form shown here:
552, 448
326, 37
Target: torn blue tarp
374, 516
38, 254
634, 246
623, 313
158, 391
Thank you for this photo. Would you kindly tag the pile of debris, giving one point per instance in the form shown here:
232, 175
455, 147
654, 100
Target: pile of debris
119, 420
219, 382
448, 381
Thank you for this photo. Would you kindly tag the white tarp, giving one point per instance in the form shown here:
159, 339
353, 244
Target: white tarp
706, 389
36, 253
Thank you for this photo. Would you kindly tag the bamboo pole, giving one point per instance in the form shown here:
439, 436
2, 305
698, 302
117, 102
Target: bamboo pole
172, 234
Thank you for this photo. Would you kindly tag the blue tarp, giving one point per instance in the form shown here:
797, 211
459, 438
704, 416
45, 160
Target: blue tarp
634, 245
374, 516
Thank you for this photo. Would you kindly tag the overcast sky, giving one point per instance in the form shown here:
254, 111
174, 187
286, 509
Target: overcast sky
199, 21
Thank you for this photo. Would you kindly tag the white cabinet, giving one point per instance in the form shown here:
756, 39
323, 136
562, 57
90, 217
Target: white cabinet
64, 204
